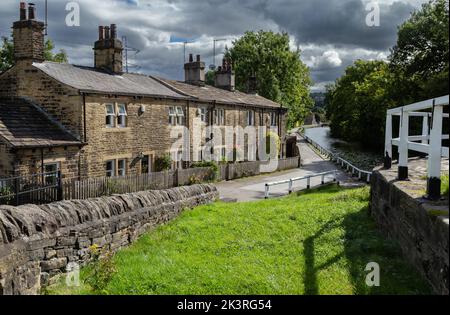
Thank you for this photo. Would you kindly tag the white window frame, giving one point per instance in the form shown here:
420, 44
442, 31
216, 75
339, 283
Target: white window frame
113, 169
122, 115
121, 170
219, 117
203, 114
111, 115
180, 115
172, 116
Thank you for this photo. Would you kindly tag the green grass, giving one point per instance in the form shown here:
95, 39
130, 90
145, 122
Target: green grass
312, 243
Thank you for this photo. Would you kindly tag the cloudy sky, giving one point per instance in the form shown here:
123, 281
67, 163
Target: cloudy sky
330, 33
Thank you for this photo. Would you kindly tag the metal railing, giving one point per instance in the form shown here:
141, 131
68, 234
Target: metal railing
429, 142
291, 182
340, 161
36, 189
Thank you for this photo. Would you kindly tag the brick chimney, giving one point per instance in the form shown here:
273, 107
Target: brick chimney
225, 76
194, 71
28, 36
108, 50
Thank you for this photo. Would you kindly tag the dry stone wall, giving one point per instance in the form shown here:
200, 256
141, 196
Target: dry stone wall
38, 242
421, 232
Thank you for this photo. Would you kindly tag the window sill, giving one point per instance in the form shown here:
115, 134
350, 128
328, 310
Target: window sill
115, 129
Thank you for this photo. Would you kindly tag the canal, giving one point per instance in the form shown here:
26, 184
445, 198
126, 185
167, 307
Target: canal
352, 152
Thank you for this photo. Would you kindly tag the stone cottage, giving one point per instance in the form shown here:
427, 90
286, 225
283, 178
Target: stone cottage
99, 121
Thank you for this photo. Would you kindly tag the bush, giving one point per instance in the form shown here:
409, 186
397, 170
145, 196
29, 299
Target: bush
212, 165
102, 269
7, 193
163, 163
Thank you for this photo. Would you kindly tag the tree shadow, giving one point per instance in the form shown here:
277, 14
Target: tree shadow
363, 244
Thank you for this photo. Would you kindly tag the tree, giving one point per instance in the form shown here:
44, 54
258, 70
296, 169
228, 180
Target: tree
281, 76
357, 102
417, 69
7, 53
421, 52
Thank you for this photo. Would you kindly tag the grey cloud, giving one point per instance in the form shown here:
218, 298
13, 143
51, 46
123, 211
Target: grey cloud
319, 26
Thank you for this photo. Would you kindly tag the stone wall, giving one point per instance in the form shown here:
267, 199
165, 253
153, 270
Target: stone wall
38, 242
421, 228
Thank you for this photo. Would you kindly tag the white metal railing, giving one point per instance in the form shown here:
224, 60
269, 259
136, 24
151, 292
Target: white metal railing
291, 182
429, 142
340, 161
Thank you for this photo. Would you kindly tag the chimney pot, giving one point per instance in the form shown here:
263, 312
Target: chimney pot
113, 31
101, 33
198, 58
31, 11
23, 11
191, 58
107, 32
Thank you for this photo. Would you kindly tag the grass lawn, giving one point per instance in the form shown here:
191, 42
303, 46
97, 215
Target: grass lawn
311, 243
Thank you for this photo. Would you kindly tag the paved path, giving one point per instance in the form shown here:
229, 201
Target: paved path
252, 188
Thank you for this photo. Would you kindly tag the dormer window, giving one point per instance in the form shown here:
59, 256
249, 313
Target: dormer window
110, 116
122, 116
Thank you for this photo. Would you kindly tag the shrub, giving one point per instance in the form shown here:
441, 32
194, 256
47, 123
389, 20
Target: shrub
7, 193
102, 269
194, 180
163, 163
211, 164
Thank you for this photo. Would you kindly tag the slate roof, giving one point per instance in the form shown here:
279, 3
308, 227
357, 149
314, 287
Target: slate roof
23, 125
87, 79
210, 93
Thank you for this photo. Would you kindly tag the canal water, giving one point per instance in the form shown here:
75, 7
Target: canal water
351, 152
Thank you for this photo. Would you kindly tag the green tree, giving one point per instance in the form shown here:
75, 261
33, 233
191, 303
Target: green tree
281, 75
357, 102
421, 52
7, 53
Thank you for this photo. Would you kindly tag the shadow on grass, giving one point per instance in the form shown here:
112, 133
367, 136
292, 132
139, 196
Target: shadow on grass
363, 244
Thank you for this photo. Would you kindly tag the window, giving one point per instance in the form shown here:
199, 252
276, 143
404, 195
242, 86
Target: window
145, 165
180, 116
250, 118
122, 116
172, 116
203, 113
176, 116
51, 173
110, 116
110, 168
122, 168
273, 119
219, 117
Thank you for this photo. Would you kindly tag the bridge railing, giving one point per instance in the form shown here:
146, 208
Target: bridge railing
429, 142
